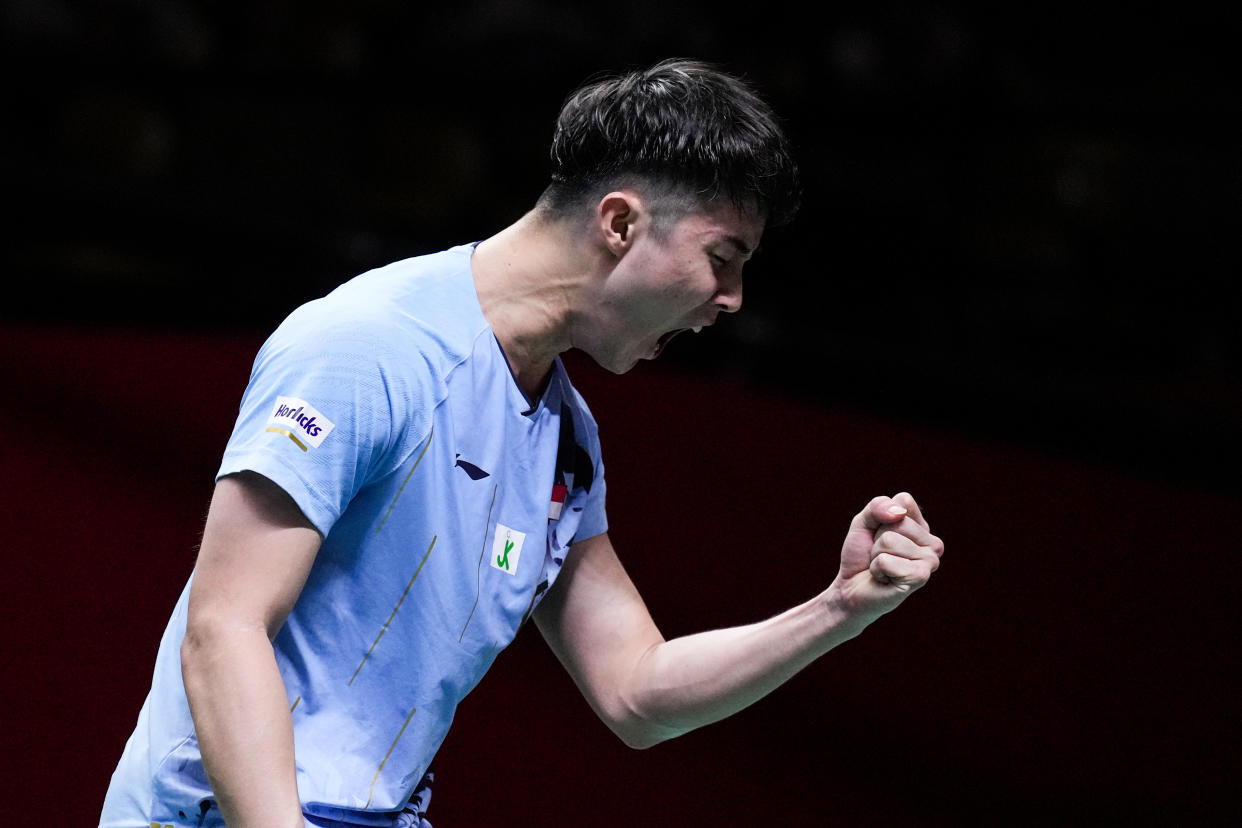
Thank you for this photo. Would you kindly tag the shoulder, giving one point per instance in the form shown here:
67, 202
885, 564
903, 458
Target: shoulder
423, 306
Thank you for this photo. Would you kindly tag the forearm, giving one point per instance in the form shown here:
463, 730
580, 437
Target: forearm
695, 680
241, 717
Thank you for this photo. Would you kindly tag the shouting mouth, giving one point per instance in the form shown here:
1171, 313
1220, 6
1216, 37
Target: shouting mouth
662, 343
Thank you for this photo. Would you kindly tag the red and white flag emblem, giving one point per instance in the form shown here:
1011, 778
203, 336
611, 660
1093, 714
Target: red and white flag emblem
558, 501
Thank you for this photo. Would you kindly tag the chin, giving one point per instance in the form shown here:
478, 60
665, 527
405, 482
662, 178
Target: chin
624, 364
617, 365
621, 369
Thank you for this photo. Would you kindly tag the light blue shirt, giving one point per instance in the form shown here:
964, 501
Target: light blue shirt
447, 503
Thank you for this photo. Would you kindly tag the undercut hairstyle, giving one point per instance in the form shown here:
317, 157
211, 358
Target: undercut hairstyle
689, 133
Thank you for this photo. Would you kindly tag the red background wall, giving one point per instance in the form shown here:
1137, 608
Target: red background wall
1072, 661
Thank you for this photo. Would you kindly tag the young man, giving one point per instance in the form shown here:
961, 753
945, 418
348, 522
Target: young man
412, 476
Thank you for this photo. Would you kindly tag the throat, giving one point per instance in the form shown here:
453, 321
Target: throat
533, 392
530, 376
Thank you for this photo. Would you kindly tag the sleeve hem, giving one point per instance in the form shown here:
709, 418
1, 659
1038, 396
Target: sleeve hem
317, 510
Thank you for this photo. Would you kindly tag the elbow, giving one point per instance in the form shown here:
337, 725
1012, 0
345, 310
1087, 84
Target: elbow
639, 717
196, 653
191, 648
202, 636
639, 730
643, 740
643, 734
212, 644
193, 657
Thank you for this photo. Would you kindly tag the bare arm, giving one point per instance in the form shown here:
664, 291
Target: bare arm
648, 689
257, 551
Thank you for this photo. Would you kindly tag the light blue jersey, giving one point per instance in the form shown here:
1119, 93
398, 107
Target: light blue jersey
447, 504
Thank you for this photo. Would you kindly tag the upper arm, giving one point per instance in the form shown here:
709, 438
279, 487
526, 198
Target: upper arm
599, 627
329, 407
256, 553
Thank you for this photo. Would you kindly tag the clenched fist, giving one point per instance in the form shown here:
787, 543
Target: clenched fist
888, 553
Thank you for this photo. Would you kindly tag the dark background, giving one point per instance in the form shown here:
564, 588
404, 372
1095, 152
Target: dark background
1009, 291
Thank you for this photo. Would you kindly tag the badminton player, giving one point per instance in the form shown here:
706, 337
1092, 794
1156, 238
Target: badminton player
412, 477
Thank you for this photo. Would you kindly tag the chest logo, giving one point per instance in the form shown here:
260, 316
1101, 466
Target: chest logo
474, 472
507, 548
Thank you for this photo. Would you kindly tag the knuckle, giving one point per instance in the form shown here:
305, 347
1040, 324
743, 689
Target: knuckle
887, 541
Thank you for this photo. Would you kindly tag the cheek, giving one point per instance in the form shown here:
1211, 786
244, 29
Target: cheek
699, 284
667, 277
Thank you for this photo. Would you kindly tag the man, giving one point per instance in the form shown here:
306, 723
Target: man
412, 476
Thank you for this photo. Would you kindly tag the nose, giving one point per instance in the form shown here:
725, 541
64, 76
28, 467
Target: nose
728, 296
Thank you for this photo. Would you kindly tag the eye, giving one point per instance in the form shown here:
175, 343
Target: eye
717, 261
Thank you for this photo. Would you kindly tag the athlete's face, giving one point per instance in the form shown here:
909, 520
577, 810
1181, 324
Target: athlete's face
674, 281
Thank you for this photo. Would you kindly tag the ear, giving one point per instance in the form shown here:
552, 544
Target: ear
618, 216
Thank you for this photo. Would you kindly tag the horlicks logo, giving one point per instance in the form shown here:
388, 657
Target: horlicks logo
301, 420
306, 421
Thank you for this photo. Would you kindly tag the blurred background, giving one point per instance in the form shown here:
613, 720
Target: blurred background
1010, 291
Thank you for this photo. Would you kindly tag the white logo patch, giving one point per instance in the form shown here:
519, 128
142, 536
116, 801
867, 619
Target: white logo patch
299, 420
507, 548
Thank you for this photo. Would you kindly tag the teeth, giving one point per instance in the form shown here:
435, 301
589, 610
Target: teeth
699, 328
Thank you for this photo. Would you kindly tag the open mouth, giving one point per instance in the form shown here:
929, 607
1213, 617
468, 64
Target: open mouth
664, 340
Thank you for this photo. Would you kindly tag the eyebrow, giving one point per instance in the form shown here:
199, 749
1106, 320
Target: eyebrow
740, 245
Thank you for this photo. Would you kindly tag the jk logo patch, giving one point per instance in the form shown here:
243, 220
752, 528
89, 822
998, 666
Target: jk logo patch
300, 422
507, 548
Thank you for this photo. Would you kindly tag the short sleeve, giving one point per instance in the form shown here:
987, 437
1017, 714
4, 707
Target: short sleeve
318, 415
594, 519
589, 490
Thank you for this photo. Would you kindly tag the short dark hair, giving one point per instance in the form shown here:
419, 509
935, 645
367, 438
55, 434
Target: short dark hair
686, 128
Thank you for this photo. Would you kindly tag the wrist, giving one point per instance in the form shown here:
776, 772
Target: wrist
841, 615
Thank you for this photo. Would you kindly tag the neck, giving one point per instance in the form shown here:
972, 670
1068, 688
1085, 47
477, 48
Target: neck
526, 277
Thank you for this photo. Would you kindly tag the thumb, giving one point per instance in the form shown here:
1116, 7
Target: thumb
881, 511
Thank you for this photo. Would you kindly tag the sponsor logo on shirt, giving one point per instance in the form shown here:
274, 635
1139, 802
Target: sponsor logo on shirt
507, 548
300, 422
471, 469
